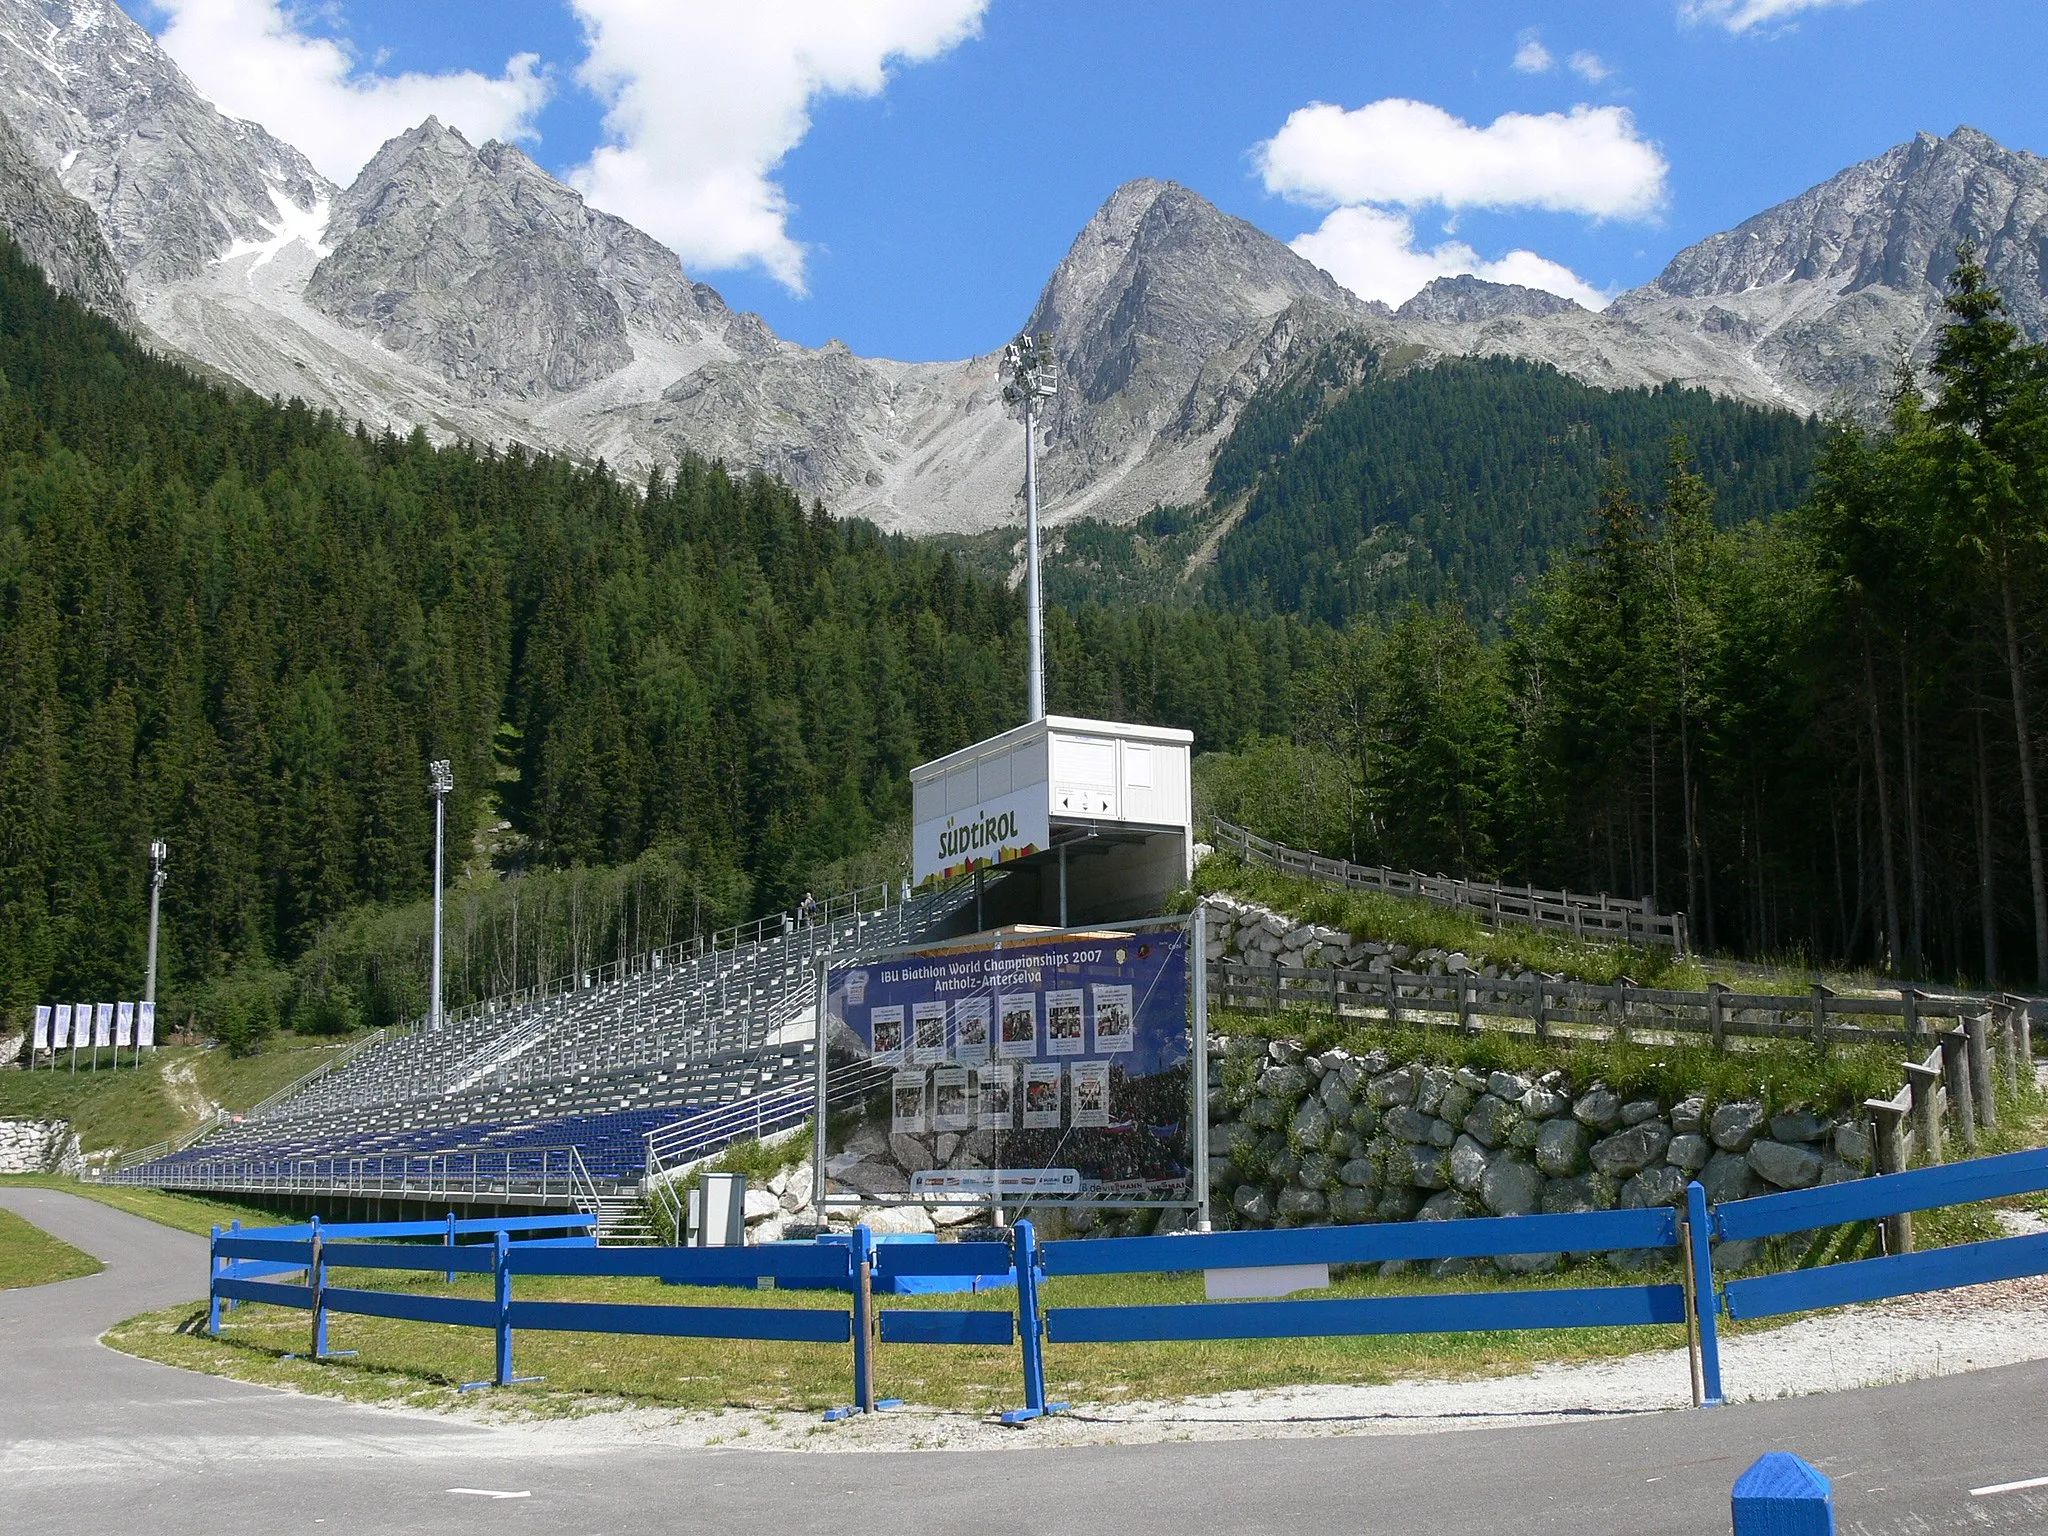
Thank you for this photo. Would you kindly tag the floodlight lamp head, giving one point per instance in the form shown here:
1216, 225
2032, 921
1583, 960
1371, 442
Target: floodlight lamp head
441, 776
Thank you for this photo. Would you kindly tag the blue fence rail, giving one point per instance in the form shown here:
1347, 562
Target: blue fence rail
245, 1267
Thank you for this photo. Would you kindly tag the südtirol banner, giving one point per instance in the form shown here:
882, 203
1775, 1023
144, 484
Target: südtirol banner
1044, 1067
995, 831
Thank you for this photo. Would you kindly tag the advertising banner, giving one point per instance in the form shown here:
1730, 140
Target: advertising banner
103, 1025
42, 1039
1053, 1066
124, 1024
145, 1025
999, 829
60, 1027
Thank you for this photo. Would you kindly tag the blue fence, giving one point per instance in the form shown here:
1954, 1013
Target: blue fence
246, 1267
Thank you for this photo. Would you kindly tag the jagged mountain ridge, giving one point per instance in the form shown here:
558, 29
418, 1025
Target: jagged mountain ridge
463, 289
58, 232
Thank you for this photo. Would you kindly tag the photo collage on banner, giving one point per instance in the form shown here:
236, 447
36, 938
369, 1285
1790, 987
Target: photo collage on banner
1058, 1055
41, 1042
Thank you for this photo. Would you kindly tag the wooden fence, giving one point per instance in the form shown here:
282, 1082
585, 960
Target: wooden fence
1607, 919
1581, 1009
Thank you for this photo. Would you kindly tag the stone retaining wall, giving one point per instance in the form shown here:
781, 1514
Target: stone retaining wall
1299, 1140
39, 1146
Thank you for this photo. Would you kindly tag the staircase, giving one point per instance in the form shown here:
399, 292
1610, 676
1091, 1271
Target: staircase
622, 1223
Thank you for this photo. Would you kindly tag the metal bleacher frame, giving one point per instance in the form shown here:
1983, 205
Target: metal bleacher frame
704, 1040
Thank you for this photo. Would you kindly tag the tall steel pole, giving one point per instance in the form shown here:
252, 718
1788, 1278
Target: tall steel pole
441, 780
158, 853
1031, 591
1033, 375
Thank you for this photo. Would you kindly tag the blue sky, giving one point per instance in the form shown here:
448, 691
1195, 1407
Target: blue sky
903, 174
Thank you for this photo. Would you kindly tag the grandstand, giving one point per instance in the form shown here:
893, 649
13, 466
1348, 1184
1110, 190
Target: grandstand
548, 1098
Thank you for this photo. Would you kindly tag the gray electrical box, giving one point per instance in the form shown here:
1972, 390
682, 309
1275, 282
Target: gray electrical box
721, 1201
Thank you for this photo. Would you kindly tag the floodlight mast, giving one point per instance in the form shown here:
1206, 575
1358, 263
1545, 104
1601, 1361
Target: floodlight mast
441, 783
159, 854
1032, 374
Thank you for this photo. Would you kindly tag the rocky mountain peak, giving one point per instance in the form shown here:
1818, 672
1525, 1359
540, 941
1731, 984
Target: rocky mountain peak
57, 232
1462, 299
478, 264
1894, 222
174, 182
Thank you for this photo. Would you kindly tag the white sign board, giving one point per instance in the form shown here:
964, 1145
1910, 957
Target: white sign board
42, 1040
145, 1025
103, 1025
60, 1027
124, 1024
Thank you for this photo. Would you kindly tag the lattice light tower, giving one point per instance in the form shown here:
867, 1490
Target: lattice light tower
441, 784
1031, 374
159, 854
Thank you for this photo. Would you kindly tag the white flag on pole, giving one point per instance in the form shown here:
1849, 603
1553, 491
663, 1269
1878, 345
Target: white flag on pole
42, 1040
145, 1025
103, 1025
81, 1025
60, 1027
124, 1024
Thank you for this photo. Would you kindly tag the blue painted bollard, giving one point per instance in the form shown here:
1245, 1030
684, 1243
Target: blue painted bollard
1780, 1495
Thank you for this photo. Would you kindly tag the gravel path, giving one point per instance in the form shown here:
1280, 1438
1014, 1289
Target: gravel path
1941, 1334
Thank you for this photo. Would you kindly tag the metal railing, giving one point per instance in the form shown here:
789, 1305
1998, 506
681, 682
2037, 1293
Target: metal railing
528, 1173
1602, 918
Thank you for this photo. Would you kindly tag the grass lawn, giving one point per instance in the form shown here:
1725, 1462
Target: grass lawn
167, 1094
30, 1256
187, 1213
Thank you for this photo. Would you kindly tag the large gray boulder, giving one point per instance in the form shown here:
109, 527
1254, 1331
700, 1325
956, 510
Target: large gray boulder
1360, 1173
1689, 1152
1507, 1085
1391, 1088
1511, 1187
1251, 1203
1689, 1116
1727, 1176
1636, 1111
1540, 1103
1630, 1151
1424, 1167
1407, 1122
1304, 1205
1655, 1186
1467, 1164
1491, 1120
1572, 1197
1311, 1124
1351, 1206
1561, 1147
1319, 1170
1598, 1109
1800, 1125
1733, 1126
1787, 1166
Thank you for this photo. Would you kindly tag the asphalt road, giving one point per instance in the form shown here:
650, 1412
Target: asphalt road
91, 1440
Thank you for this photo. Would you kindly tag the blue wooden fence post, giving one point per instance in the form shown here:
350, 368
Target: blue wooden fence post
1030, 1331
501, 1267
213, 1262
1780, 1495
234, 1230
863, 1319
316, 1284
451, 1243
1701, 1258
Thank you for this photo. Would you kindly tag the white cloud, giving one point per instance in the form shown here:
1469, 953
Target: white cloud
1590, 67
1532, 58
252, 60
705, 97
1372, 252
1743, 15
1590, 160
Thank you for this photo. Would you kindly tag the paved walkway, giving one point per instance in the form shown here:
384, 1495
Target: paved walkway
92, 1440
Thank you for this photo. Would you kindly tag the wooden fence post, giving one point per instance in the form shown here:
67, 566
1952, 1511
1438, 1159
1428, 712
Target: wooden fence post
1542, 1009
1955, 1077
1617, 1009
1909, 1004
1888, 1150
1820, 1016
1780, 1495
1923, 1082
2009, 1043
1717, 1013
1464, 1002
1983, 1090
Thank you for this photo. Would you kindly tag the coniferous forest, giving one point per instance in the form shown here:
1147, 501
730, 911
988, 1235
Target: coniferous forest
244, 628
